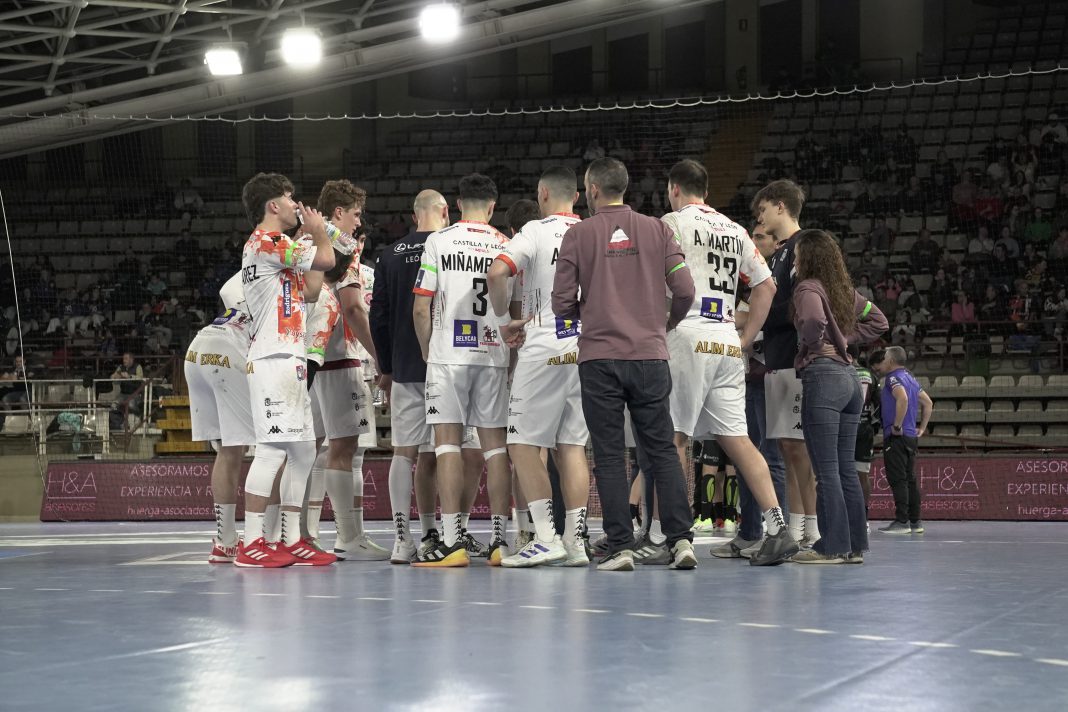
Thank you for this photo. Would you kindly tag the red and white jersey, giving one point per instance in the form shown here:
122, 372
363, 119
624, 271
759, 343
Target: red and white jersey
532, 253
343, 345
453, 271
323, 316
721, 256
272, 272
367, 279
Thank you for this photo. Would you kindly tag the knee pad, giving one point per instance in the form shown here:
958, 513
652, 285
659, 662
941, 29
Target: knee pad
446, 449
265, 465
489, 454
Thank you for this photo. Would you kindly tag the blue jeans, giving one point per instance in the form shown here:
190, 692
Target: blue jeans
643, 387
756, 419
830, 415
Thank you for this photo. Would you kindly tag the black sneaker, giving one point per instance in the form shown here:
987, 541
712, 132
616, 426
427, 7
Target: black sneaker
444, 556
896, 527
775, 549
646, 552
474, 547
917, 527
427, 543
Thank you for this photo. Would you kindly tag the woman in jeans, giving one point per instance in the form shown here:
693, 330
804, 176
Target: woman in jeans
830, 314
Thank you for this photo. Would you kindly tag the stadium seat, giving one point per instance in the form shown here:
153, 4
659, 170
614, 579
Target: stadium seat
1001, 387
972, 387
1031, 386
1001, 412
1031, 434
971, 411
1056, 387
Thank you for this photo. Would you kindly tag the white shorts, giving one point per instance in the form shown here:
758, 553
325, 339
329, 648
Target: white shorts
281, 405
545, 406
338, 398
218, 392
470, 395
782, 400
708, 382
407, 418
369, 437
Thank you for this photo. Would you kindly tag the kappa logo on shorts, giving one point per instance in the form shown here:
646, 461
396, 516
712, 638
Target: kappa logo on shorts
363, 422
797, 426
465, 333
432, 411
512, 430
275, 430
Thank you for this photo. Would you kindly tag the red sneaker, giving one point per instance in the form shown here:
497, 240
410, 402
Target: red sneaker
223, 554
258, 555
306, 554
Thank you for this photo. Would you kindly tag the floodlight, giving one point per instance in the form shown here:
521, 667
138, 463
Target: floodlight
440, 22
223, 61
302, 47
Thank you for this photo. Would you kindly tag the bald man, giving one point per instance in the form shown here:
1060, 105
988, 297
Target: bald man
404, 375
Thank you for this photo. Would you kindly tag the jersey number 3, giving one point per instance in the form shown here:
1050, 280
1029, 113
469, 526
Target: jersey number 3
730, 264
480, 306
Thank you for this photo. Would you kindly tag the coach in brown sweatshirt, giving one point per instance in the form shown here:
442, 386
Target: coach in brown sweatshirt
612, 273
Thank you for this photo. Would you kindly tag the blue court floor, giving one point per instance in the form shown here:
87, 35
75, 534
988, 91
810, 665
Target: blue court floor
971, 616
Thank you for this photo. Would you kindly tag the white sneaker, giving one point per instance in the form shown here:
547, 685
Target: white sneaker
403, 551
807, 542
576, 554
619, 561
523, 538
536, 553
360, 549
730, 526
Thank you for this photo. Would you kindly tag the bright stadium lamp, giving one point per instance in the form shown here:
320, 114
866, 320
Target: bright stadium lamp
223, 61
302, 47
440, 22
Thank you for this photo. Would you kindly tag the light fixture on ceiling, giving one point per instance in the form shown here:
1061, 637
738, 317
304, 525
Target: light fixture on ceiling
440, 22
223, 61
302, 47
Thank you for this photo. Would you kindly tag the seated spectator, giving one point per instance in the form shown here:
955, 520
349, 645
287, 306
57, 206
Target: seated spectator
1019, 190
1036, 274
882, 237
914, 198
1058, 251
941, 292
1039, 231
938, 194
909, 298
1055, 127
864, 287
1050, 156
963, 312
945, 168
925, 254
187, 199
993, 307
964, 195
1003, 269
988, 206
1021, 304
890, 288
903, 332
904, 147
13, 388
887, 305
156, 286
1025, 161
1055, 311
1006, 240
981, 244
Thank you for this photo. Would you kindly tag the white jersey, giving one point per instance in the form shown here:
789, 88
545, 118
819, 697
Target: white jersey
720, 255
232, 294
233, 325
367, 280
272, 271
453, 271
533, 253
343, 345
323, 316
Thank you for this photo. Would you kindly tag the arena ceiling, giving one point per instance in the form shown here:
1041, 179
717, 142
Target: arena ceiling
136, 57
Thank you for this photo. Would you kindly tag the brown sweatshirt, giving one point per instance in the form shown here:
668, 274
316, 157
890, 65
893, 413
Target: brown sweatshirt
818, 334
621, 260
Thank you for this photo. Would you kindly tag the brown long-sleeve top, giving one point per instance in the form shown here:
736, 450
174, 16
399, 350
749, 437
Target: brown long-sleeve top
621, 261
818, 334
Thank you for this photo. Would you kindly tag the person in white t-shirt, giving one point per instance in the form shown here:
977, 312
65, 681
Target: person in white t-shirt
707, 351
467, 364
273, 268
545, 405
220, 411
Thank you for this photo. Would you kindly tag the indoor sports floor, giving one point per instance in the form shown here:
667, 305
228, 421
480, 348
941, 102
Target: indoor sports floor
129, 617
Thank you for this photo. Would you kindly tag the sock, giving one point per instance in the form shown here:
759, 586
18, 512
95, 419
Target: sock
797, 526
773, 520
500, 527
357, 520
655, 534
522, 519
708, 486
272, 523
574, 525
452, 527
339, 487
717, 511
226, 524
357, 471
290, 527
542, 512
400, 494
427, 522
636, 516
253, 526
311, 524
464, 519
812, 529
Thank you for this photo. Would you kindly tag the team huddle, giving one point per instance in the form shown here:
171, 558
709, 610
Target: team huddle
474, 338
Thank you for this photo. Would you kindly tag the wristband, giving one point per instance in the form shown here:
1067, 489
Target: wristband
502, 320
